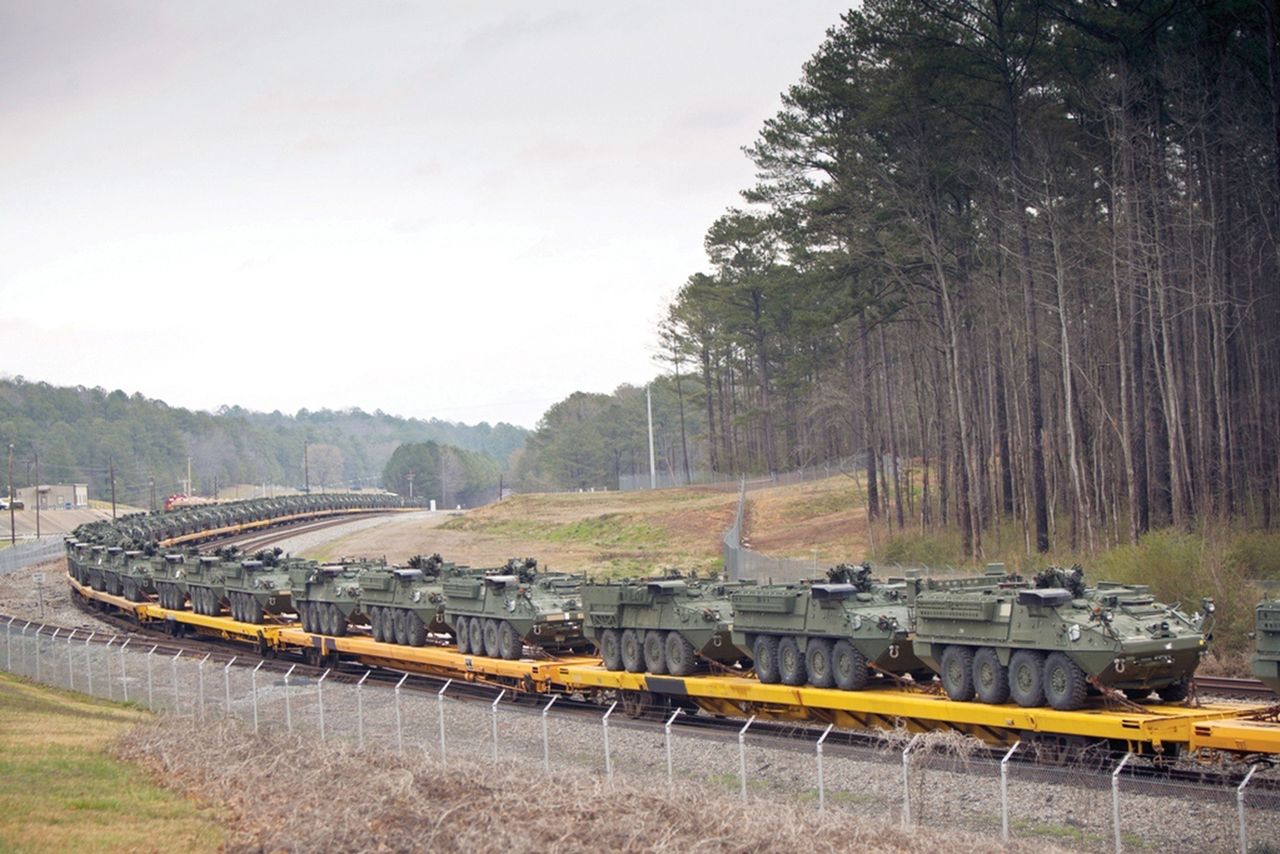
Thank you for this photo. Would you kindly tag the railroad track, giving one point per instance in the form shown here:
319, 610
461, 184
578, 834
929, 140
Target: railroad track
256, 540
1226, 686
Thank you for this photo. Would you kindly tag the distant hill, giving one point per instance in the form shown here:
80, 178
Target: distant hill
79, 431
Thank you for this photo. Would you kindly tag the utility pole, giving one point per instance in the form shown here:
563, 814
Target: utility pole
411, 474
36, 454
13, 537
306, 470
153, 494
113, 487
653, 469
499, 487
189, 490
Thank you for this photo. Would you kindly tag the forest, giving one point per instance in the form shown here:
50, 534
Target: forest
81, 434
1018, 259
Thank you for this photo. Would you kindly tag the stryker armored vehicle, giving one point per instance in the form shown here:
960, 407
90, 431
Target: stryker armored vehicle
112, 564
1266, 653
826, 633
204, 577
996, 636
92, 568
661, 625
258, 587
327, 596
495, 615
136, 576
404, 604
170, 581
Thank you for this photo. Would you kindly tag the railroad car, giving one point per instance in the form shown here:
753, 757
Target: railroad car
997, 637
497, 614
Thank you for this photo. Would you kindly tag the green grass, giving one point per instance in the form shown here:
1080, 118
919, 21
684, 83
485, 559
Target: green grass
605, 530
61, 790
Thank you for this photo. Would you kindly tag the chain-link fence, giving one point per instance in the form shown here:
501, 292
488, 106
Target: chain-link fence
1099, 804
30, 552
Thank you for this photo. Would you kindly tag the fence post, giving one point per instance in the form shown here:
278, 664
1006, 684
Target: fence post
173, 670
608, 762
494, 709
742, 754
8, 645
71, 673
1115, 797
226, 686
1004, 791
54, 637
288, 710
666, 730
106, 660
546, 742
253, 689
822, 788
88, 663
37, 639
360, 708
320, 701
440, 706
1244, 828
151, 704
200, 678
399, 724
124, 678
906, 780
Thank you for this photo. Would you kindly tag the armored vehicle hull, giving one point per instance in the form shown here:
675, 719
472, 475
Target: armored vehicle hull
109, 570
406, 604
326, 596
205, 582
257, 588
496, 615
170, 582
136, 577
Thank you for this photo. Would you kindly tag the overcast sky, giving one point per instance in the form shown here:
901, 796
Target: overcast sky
461, 210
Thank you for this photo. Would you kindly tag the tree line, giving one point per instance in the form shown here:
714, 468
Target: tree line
449, 475
1020, 258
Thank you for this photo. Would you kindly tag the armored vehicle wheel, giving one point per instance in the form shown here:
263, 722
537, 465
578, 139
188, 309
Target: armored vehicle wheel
253, 610
1064, 684
400, 626
491, 647
682, 658
375, 624
206, 602
198, 599
1026, 678
233, 599
1175, 693
388, 619
957, 672
1138, 693
765, 654
461, 632
128, 589
611, 649
509, 643
632, 651
848, 666
990, 677
475, 628
313, 617
817, 660
339, 620
655, 653
790, 662
417, 630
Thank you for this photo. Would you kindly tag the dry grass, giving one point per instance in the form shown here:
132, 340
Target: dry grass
292, 793
823, 519
61, 791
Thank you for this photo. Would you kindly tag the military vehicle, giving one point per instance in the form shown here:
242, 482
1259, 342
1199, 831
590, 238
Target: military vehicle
995, 636
405, 604
204, 578
827, 633
169, 579
112, 564
259, 586
326, 596
136, 576
661, 625
1266, 654
496, 614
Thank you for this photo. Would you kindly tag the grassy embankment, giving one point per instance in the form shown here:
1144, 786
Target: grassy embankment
60, 790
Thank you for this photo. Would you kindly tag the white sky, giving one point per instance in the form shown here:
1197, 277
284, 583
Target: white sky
461, 210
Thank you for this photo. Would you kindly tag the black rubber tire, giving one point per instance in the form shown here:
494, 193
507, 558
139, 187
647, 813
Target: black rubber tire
1138, 693
475, 626
400, 625
682, 658
957, 672
849, 666
818, 662
790, 662
1065, 686
416, 630
491, 639
1026, 678
1176, 692
990, 677
233, 600
253, 610
510, 645
338, 621
765, 655
611, 649
655, 652
632, 651
462, 634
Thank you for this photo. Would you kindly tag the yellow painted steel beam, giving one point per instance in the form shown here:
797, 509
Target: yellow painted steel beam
1237, 736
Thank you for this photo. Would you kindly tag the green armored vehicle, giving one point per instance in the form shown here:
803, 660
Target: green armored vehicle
136, 576
996, 637
258, 587
205, 581
495, 615
405, 604
92, 568
113, 562
661, 625
326, 596
169, 579
826, 633
1266, 654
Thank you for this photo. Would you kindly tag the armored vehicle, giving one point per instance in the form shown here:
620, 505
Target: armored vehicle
258, 587
112, 563
996, 637
204, 578
496, 614
661, 625
326, 596
169, 579
828, 632
136, 576
405, 604
1266, 654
